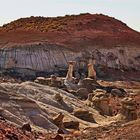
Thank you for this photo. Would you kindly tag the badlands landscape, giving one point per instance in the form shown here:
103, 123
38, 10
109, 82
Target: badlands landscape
69, 78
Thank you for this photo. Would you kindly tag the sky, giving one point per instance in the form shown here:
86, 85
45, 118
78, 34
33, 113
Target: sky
127, 11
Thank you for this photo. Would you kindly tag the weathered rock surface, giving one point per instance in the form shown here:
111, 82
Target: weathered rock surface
40, 105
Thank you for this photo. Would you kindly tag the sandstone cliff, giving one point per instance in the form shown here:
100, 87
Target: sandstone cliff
39, 44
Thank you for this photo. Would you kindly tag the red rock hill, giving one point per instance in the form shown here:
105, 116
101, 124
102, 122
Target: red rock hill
71, 31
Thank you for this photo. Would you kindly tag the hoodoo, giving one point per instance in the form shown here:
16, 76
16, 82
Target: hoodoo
69, 76
91, 70
70, 80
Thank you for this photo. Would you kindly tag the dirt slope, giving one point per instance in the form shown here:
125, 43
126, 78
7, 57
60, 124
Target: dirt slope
70, 31
128, 131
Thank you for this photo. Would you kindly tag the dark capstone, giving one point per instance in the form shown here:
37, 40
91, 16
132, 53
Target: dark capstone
26, 127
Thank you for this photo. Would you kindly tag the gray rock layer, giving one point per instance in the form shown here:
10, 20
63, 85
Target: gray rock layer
50, 58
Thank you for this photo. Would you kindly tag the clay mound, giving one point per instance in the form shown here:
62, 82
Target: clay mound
70, 31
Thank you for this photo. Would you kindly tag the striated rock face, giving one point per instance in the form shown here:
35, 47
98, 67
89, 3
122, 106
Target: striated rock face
40, 44
52, 58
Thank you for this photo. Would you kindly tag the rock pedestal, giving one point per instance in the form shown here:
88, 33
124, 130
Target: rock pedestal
101, 102
129, 108
26, 127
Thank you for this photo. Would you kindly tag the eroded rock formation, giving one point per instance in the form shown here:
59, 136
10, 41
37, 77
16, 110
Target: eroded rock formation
101, 102
129, 108
43, 50
91, 71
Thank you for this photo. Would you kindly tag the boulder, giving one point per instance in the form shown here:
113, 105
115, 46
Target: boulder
58, 98
82, 93
101, 102
26, 127
71, 125
84, 115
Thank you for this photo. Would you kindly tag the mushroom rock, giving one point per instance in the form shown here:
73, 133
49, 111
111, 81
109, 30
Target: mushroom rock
101, 102
129, 108
90, 82
91, 71
69, 81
